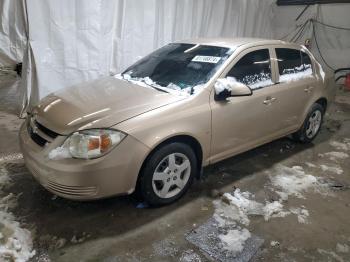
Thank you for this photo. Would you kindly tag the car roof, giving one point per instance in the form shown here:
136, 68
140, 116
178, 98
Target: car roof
234, 42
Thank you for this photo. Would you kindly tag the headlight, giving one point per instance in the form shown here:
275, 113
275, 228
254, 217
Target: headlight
93, 143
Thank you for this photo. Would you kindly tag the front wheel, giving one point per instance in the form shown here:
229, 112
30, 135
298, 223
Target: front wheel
312, 124
167, 174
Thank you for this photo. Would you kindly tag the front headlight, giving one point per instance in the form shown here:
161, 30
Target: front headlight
93, 143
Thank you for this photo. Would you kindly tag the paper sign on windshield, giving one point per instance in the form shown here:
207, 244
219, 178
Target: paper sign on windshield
206, 59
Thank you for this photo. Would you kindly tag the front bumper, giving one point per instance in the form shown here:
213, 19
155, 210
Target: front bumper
113, 174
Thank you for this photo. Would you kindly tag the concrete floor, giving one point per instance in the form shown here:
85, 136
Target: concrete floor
115, 230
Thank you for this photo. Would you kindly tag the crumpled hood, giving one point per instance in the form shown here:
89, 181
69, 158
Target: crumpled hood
101, 103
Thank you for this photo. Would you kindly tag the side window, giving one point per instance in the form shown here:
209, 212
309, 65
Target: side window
253, 69
290, 64
305, 58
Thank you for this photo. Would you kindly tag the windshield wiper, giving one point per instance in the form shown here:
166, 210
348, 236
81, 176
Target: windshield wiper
143, 81
157, 88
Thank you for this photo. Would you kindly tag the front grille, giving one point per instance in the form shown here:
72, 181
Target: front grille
71, 190
36, 138
45, 130
39, 133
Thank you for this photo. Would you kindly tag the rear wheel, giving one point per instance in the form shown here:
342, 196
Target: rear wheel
312, 124
167, 174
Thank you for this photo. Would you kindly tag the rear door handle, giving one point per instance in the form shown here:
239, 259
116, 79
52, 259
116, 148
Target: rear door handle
269, 100
309, 89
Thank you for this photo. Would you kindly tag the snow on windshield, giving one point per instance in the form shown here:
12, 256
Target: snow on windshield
170, 88
178, 68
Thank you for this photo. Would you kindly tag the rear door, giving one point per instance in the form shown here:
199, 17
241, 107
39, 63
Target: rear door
294, 86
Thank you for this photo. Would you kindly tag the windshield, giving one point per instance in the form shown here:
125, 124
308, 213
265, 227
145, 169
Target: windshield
181, 67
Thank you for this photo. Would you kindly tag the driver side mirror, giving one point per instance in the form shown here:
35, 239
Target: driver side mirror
229, 87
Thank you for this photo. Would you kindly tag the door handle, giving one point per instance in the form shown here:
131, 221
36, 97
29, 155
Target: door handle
269, 100
309, 89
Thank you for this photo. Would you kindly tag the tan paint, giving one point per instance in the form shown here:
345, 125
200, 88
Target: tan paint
149, 117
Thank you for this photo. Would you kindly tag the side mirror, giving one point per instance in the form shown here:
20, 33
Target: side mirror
229, 87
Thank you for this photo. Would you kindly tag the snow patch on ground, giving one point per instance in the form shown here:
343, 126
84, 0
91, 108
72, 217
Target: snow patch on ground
332, 169
15, 242
334, 155
165, 248
310, 165
332, 256
234, 240
274, 243
345, 146
342, 248
190, 256
235, 208
274, 209
11, 157
301, 213
5, 180
292, 181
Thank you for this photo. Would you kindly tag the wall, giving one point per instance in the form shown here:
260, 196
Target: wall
334, 44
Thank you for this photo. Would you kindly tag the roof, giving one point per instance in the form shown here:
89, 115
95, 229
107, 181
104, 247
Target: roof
232, 42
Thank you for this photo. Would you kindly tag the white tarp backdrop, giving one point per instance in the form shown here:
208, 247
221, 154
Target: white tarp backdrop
71, 41
74, 41
13, 36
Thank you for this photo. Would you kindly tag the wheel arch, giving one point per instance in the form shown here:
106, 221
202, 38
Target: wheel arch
186, 139
323, 102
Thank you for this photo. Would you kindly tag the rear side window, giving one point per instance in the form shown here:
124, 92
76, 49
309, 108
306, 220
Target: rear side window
253, 69
305, 58
292, 64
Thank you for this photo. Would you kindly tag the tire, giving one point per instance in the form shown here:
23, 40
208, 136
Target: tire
307, 132
163, 171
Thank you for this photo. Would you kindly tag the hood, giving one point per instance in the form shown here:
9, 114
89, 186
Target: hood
98, 104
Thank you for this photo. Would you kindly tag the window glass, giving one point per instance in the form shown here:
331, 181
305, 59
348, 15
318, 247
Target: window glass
253, 69
292, 64
183, 67
306, 62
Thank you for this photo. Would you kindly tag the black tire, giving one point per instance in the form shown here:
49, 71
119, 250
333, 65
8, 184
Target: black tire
145, 183
301, 135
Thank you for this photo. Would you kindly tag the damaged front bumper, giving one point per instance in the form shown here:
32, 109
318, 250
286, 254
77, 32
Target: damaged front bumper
79, 179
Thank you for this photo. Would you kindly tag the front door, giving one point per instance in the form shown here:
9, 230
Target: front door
240, 123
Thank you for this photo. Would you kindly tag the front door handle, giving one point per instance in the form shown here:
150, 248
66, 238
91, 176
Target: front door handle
309, 89
269, 100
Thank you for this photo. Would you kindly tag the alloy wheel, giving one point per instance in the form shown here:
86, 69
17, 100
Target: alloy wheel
171, 175
314, 124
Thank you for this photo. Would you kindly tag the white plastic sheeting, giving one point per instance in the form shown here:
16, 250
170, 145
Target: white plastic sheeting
71, 41
74, 41
13, 37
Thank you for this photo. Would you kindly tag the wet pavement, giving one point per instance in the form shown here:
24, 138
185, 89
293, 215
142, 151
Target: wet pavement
116, 230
